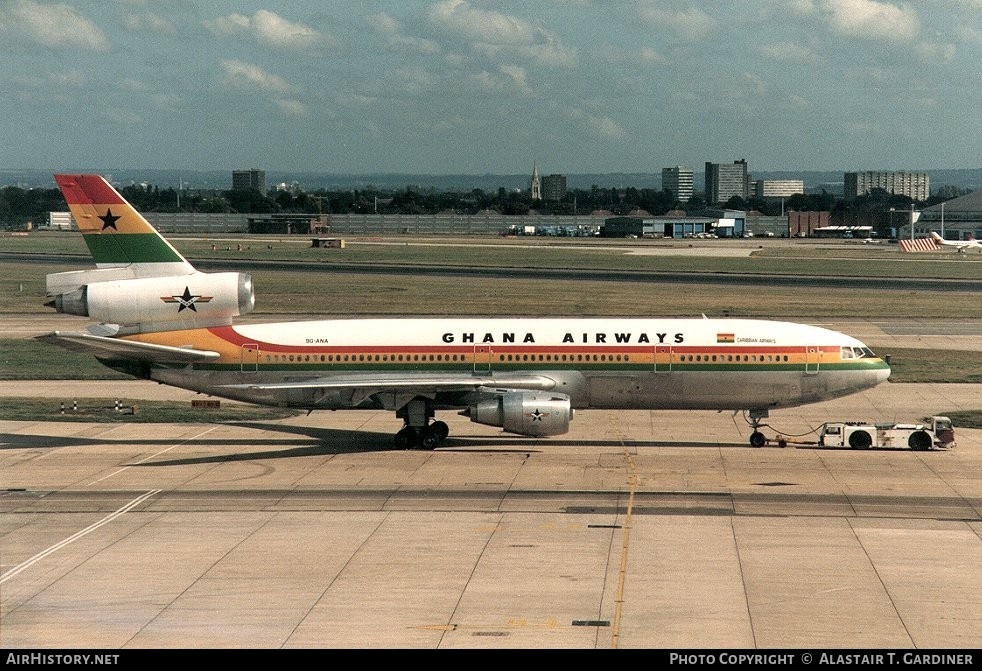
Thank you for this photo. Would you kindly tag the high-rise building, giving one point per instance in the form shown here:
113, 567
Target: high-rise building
678, 180
778, 188
535, 185
554, 187
243, 180
723, 181
915, 185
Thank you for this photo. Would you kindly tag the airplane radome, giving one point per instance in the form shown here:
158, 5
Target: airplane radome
158, 318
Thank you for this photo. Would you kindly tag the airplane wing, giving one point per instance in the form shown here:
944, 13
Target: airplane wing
372, 383
102, 346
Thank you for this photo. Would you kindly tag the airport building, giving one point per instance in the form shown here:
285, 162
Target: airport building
915, 185
61, 221
679, 181
723, 181
244, 180
953, 219
710, 223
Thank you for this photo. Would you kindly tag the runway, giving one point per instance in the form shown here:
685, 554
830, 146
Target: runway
642, 529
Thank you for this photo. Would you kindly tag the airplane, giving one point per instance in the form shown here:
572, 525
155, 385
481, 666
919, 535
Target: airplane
959, 245
158, 318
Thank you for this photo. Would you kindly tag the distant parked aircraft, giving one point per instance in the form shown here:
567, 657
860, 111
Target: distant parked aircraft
960, 245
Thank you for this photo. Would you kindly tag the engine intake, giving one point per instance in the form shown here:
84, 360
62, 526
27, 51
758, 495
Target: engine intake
526, 413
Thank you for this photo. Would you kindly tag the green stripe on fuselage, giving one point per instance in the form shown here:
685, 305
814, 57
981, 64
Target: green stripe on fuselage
130, 248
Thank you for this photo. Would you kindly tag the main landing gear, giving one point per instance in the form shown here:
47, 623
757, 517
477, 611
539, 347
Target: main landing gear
426, 437
419, 431
757, 439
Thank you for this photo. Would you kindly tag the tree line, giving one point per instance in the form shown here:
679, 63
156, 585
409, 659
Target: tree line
19, 206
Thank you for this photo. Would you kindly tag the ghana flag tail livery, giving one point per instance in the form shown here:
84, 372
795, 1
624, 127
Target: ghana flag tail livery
116, 234
141, 282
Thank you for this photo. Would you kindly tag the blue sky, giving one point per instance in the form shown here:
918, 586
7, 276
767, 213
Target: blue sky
476, 87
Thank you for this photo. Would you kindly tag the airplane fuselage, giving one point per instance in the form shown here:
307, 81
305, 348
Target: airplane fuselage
598, 363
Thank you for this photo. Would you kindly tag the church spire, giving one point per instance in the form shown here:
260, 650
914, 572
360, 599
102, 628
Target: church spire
535, 186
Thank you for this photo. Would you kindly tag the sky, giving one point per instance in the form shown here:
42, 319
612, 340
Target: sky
490, 87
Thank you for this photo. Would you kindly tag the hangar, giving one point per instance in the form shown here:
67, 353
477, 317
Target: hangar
721, 223
953, 219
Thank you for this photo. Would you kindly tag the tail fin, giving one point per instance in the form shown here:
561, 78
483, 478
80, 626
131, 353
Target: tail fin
115, 233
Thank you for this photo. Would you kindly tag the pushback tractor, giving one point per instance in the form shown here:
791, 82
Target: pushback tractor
935, 433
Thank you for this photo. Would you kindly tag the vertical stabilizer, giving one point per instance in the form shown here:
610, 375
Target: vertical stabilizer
116, 234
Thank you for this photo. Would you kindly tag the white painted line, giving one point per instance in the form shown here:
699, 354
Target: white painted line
74, 537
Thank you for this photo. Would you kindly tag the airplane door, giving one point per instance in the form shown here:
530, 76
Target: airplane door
249, 357
813, 359
663, 358
482, 358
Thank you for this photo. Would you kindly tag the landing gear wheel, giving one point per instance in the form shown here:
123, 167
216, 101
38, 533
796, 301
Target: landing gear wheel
429, 439
406, 438
757, 439
440, 429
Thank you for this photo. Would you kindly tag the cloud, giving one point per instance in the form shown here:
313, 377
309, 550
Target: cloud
392, 31
252, 76
57, 26
509, 78
601, 125
690, 24
149, 22
459, 17
494, 33
788, 52
872, 19
266, 27
293, 108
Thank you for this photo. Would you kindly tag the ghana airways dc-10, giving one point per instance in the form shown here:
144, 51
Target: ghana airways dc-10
160, 319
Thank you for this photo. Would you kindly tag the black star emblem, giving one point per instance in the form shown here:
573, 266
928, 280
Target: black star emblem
109, 220
537, 416
186, 300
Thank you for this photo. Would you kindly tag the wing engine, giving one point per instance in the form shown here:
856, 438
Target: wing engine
527, 413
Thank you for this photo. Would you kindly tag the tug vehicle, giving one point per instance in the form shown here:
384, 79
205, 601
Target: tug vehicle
934, 433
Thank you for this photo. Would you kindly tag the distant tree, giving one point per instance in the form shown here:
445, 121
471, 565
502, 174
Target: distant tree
694, 204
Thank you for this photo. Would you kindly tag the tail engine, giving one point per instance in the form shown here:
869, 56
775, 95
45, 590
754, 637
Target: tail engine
157, 303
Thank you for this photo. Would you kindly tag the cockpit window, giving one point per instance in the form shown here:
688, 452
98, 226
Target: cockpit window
857, 353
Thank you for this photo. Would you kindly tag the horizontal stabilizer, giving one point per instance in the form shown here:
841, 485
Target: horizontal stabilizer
102, 346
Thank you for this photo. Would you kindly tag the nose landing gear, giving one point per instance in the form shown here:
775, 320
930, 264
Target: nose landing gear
757, 439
